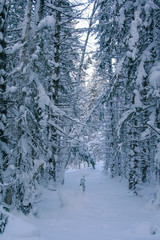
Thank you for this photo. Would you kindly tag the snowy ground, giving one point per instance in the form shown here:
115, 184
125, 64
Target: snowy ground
105, 211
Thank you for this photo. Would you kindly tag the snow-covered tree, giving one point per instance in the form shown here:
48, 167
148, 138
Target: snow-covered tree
128, 33
3, 113
39, 97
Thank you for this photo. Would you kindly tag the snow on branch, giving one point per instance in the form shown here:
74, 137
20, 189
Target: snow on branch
125, 116
53, 124
154, 79
36, 173
44, 101
48, 21
141, 73
137, 99
157, 130
14, 48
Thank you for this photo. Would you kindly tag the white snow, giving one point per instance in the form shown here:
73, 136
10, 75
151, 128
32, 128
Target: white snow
11, 89
119, 65
132, 42
12, 167
43, 98
1, 36
14, 48
155, 76
137, 100
20, 228
144, 228
121, 18
157, 157
134, 31
105, 211
2, 126
48, 21
141, 73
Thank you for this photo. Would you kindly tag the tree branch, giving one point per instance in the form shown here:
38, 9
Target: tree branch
153, 128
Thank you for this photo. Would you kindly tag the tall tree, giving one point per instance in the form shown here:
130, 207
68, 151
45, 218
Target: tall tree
4, 149
42, 54
127, 36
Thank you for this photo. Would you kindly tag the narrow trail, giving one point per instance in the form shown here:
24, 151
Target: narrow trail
105, 211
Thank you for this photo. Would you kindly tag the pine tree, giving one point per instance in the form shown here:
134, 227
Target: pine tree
130, 99
4, 143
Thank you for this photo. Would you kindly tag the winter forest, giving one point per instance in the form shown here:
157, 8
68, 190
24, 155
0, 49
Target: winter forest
79, 85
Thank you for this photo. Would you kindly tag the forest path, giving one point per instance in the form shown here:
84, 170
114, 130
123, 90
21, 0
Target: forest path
105, 211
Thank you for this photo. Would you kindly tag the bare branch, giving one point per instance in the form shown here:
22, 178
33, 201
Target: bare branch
153, 128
